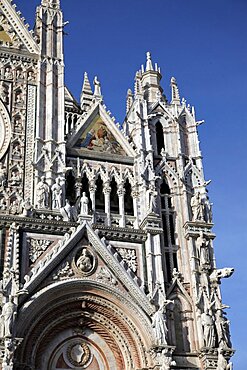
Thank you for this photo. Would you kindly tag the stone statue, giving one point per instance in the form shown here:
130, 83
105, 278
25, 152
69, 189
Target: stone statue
152, 207
69, 212
222, 327
208, 215
57, 194
159, 325
222, 362
42, 193
208, 329
3, 176
203, 248
84, 262
84, 204
27, 208
219, 274
197, 207
9, 313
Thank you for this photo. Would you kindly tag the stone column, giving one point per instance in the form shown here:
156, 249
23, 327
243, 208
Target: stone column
107, 192
78, 187
92, 190
121, 192
135, 196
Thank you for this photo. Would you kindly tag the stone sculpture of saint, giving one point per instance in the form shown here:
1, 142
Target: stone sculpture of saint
3, 175
222, 327
84, 262
208, 329
84, 204
159, 325
8, 313
197, 207
208, 210
57, 194
42, 193
203, 248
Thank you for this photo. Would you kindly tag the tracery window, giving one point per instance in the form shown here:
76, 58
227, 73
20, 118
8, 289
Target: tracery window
128, 199
99, 195
167, 213
114, 202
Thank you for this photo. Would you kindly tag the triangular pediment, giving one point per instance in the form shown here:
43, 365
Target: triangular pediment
14, 33
83, 255
98, 134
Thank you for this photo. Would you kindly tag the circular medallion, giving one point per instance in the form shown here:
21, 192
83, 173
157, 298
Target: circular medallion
5, 130
78, 353
84, 263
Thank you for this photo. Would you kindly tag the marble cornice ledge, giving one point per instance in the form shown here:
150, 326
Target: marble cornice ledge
120, 233
27, 223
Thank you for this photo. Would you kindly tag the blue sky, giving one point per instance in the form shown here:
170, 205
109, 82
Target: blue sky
203, 44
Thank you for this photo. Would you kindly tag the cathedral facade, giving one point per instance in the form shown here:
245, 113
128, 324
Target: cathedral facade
107, 259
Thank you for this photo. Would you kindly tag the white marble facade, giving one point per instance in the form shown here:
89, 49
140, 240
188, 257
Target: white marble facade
105, 229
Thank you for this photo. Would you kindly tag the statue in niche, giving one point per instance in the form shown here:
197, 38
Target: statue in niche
152, 207
203, 248
8, 314
159, 323
18, 98
8, 75
197, 207
27, 208
84, 204
222, 328
15, 179
208, 215
3, 176
42, 193
57, 194
208, 328
85, 261
19, 74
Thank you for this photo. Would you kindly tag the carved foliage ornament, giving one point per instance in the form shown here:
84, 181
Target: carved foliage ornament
37, 247
5, 130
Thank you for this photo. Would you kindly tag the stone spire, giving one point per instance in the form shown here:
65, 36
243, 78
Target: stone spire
129, 100
150, 81
97, 88
86, 94
175, 92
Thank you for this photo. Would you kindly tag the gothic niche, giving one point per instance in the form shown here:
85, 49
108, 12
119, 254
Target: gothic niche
128, 199
114, 202
84, 262
159, 138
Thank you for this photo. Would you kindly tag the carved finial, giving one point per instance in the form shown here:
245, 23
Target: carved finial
55, 4
149, 65
86, 93
97, 88
129, 100
138, 88
175, 92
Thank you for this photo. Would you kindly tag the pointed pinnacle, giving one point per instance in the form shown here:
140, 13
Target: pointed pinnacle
149, 65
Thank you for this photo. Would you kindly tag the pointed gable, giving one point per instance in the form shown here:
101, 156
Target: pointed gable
80, 256
98, 134
14, 32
